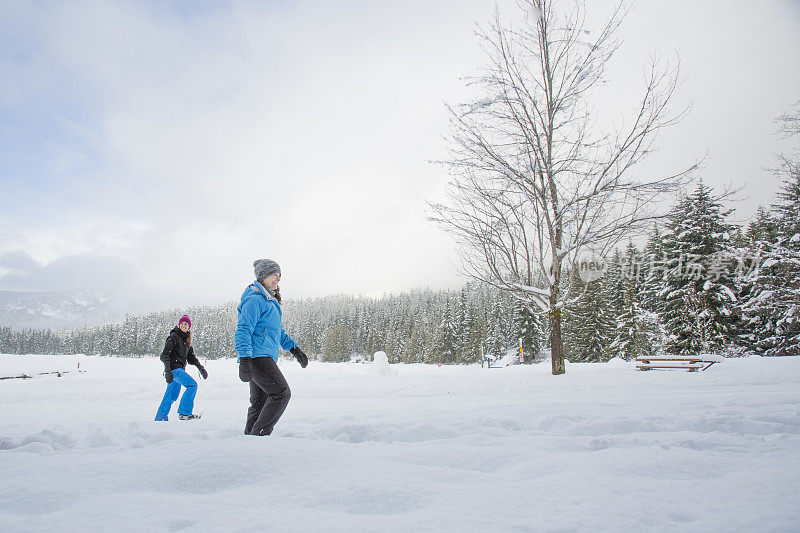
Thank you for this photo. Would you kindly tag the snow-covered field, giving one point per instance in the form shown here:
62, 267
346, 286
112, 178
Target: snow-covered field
602, 448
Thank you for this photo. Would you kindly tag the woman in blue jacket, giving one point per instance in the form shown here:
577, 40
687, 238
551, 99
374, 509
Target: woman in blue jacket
258, 339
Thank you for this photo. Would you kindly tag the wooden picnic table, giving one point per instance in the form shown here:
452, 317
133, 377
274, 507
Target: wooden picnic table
692, 363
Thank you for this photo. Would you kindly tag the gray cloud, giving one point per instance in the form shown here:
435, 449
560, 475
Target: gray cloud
26, 274
160, 151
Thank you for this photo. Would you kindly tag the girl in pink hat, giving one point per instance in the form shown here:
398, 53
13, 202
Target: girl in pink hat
177, 352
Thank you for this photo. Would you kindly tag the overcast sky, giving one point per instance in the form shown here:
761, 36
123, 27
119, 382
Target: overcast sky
155, 149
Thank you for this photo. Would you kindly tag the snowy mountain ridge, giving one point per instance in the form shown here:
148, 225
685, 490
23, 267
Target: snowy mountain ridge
54, 309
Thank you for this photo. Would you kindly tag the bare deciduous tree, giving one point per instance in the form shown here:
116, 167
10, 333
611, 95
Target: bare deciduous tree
533, 183
789, 123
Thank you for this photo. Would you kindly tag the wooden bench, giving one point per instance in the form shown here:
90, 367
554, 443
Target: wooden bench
692, 363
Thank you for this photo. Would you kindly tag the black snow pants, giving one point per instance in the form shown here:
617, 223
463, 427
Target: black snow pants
269, 395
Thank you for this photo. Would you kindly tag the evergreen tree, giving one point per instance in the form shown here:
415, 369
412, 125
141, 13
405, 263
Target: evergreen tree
587, 323
464, 328
447, 338
698, 292
653, 270
336, 347
771, 310
629, 339
609, 305
527, 328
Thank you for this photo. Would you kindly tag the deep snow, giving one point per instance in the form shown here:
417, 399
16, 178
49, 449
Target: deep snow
602, 448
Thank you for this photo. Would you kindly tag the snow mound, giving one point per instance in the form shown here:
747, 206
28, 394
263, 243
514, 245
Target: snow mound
381, 366
512, 358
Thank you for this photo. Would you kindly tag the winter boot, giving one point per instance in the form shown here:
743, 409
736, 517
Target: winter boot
189, 417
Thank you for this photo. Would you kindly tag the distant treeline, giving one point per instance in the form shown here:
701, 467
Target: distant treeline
443, 327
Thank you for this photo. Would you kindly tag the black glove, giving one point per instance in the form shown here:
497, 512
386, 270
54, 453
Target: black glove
168, 375
202, 371
245, 369
301, 357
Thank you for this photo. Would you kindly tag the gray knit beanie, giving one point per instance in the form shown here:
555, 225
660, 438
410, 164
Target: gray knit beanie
264, 268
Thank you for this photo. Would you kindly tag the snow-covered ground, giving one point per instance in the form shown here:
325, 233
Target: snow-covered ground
602, 448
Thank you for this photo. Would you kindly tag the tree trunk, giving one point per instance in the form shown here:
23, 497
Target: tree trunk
556, 343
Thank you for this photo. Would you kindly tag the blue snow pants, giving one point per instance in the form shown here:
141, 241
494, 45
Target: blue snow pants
179, 377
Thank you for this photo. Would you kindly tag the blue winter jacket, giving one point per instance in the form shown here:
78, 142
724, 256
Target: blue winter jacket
259, 332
